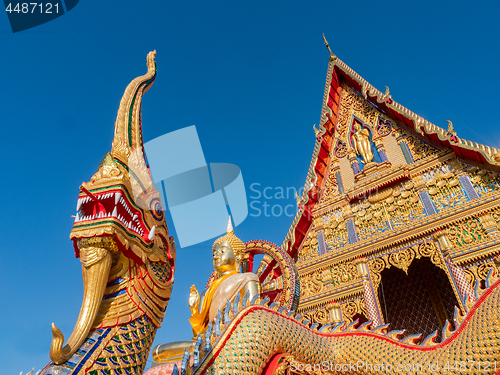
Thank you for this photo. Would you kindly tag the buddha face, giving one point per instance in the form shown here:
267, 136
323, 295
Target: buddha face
356, 126
223, 258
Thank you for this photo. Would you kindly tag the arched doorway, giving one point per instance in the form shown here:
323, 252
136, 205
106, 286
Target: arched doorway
419, 302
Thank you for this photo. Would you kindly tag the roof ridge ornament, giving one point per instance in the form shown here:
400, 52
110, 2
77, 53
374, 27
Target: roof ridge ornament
333, 57
450, 129
387, 94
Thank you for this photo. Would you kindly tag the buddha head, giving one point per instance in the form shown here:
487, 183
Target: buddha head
227, 251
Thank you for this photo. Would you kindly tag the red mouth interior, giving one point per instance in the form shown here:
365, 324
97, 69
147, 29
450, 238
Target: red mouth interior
110, 205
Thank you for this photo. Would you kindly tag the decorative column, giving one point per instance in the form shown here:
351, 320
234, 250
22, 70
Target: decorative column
335, 169
320, 236
352, 234
464, 179
372, 307
462, 283
354, 162
334, 313
467, 186
381, 150
404, 147
424, 196
458, 276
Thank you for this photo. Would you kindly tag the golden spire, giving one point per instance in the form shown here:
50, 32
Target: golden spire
229, 226
332, 56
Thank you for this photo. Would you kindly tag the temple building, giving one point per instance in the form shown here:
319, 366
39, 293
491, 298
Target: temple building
399, 218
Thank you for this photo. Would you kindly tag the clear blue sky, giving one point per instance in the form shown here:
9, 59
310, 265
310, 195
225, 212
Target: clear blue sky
249, 75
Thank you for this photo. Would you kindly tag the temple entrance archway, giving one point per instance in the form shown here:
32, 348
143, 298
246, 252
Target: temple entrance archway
420, 301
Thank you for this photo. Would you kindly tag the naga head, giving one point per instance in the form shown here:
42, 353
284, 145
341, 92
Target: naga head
120, 233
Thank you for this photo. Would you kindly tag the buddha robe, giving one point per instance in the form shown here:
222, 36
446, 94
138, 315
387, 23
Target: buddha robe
216, 296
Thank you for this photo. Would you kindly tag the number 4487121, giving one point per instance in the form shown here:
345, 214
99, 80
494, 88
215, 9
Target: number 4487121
32, 8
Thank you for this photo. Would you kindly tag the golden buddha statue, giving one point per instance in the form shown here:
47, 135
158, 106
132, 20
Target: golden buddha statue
227, 254
361, 142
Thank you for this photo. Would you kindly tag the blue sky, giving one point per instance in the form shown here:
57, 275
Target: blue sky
249, 75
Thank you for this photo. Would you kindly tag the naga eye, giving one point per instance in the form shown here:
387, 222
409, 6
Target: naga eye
156, 209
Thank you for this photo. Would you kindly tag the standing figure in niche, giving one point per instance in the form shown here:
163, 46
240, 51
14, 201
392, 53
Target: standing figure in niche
361, 142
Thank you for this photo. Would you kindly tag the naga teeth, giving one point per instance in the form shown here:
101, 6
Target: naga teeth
79, 204
115, 213
135, 217
152, 233
117, 198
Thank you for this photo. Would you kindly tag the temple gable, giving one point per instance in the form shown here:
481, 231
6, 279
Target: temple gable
390, 197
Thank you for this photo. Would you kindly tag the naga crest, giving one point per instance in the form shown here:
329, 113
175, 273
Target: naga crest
121, 238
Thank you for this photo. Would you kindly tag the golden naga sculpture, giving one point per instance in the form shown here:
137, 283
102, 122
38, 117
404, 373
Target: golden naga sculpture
361, 142
127, 256
228, 253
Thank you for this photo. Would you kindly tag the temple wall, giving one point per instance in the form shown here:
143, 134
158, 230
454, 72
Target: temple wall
394, 153
346, 173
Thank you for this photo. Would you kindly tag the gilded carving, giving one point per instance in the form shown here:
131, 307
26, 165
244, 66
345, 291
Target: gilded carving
384, 127
335, 229
466, 231
444, 187
387, 209
309, 247
484, 181
402, 259
418, 148
352, 103
311, 284
376, 266
344, 273
480, 271
495, 215
331, 186
351, 308
317, 316
340, 149
429, 249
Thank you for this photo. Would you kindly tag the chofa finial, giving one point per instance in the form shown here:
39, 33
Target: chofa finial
450, 129
229, 226
332, 56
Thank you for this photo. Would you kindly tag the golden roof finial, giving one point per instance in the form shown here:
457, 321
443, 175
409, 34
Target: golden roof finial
332, 56
229, 226
451, 130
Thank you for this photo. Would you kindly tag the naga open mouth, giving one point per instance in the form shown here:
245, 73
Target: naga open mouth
111, 205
